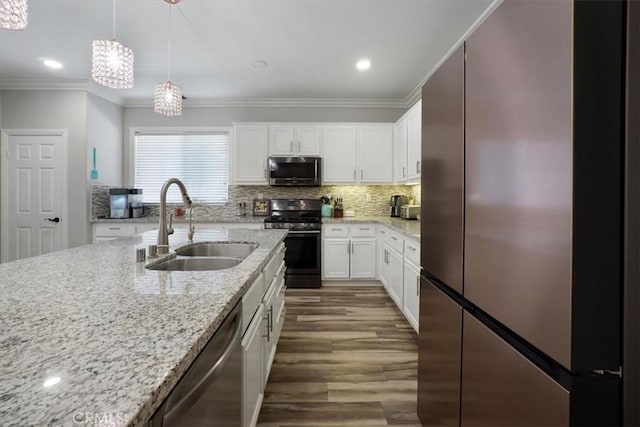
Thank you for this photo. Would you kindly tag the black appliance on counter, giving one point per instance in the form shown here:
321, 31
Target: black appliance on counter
302, 257
295, 171
395, 205
521, 283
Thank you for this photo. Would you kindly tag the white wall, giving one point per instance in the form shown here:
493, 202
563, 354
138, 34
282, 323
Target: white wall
104, 132
58, 110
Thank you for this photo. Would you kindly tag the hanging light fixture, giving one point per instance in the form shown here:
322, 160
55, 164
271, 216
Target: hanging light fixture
112, 62
13, 14
167, 99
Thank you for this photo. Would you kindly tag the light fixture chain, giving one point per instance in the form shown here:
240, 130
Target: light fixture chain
169, 50
113, 30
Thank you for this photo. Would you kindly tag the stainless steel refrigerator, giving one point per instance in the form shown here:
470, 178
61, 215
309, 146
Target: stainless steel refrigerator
522, 213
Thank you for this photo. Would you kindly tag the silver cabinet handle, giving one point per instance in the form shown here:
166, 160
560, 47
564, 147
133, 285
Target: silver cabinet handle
114, 228
417, 166
354, 174
271, 316
411, 248
298, 147
365, 228
336, 229
361, 174
264, 173
418, 286
197, 391
404, 171
268, 336
291, 146
394, 237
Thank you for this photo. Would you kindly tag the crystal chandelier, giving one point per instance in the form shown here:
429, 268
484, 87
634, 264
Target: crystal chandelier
167, 98
13, 14
112, 62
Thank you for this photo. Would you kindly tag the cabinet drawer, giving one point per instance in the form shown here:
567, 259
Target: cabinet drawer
251, 301
395, 241
364, 230
332, 230
412, 251
273, 265
115, 230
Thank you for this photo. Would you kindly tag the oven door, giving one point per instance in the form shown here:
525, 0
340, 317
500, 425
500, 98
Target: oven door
303, 252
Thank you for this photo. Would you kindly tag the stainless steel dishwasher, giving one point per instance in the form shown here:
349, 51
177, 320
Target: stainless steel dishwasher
210, 392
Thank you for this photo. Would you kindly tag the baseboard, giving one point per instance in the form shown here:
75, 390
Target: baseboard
339, 283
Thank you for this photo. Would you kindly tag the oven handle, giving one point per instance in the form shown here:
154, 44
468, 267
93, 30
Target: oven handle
305, 232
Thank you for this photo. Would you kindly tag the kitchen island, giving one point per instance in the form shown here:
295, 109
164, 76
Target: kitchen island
90, 336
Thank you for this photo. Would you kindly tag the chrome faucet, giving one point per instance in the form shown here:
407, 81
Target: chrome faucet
163, 230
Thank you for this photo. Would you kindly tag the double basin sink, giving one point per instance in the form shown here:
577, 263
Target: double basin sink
205, 256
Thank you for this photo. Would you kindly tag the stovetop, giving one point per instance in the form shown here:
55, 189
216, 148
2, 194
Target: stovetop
302, 214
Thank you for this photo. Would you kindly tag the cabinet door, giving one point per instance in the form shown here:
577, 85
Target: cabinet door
396, 282
339, 154
375, 154
252, 365
414, 142
281, 140
269, 337
411, 294
400, 152
363, 258
335, 262
250, 154
307, 141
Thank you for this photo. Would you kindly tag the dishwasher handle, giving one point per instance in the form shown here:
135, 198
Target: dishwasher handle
210, 376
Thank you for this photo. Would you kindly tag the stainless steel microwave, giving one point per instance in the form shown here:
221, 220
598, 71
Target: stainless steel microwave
295, 171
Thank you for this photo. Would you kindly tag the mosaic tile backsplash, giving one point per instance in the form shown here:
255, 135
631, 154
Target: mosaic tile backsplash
369, 200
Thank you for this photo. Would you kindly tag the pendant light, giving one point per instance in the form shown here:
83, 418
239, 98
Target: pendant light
112, 62
167, 98
13, 14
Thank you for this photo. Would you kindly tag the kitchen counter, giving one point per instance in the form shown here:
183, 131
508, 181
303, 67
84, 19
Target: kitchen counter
410, 228
89, 334
184, 219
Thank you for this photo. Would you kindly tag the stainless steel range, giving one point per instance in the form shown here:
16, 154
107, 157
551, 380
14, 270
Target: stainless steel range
302, 258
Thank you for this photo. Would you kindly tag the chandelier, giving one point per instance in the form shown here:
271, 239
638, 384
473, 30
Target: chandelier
167, 99
112, 62
13, 14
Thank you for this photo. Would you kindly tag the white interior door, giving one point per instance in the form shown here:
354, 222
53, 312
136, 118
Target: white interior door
33, 193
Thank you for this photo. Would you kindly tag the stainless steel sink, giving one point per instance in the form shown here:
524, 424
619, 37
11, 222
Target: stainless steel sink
217, 249
195, 264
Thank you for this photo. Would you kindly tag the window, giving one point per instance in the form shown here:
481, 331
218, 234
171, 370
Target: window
199, 159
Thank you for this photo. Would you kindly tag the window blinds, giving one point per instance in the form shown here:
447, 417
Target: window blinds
199, 160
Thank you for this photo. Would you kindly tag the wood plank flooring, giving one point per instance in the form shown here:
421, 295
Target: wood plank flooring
346, 357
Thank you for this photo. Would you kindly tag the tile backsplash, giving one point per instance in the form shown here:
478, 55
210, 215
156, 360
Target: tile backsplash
364, 200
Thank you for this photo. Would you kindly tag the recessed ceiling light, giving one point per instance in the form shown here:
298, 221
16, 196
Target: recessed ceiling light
363, 64
259, 64
52, 64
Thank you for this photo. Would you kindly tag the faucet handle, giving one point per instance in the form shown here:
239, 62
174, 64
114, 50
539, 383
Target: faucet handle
170, 228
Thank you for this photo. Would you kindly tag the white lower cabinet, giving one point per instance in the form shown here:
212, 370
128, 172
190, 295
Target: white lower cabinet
396, 277
252, 370
411, 293
348, 251
263, 303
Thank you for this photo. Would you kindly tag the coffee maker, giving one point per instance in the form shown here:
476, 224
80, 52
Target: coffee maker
394, 205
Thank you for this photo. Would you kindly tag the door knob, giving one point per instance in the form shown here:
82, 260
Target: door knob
56, 219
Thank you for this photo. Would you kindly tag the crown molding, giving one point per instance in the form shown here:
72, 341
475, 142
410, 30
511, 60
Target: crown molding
280, 102
43, 84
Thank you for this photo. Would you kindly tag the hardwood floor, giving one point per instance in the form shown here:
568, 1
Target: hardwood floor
346, 356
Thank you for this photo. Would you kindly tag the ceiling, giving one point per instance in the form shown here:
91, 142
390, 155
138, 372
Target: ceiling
310, 46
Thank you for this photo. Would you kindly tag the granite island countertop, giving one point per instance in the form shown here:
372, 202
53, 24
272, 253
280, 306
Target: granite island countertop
88, 332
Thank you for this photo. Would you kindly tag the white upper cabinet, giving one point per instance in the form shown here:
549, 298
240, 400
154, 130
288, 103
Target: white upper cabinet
250, 154
400, 151
289, 140
339, 154
414, 142
375, 151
